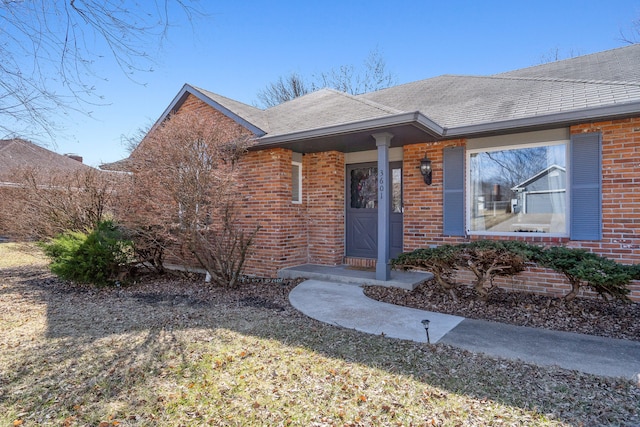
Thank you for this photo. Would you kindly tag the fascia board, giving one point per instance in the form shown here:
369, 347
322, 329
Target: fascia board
187, 89
575, 116
416, 118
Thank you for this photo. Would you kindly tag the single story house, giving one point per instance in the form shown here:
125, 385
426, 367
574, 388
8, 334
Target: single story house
336, 178
18, 155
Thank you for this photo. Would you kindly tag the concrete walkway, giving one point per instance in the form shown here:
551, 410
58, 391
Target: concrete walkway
346, 274
346, 305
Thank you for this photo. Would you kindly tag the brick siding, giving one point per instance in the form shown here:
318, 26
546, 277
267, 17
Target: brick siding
621, 206
313, 231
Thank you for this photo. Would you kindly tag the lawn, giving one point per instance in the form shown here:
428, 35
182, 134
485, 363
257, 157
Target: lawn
172, 352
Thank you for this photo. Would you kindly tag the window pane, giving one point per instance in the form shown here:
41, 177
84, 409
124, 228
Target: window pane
364, 193
520, 190
396, 196
296, 184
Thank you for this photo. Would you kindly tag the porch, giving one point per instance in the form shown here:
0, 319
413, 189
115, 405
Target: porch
354, 276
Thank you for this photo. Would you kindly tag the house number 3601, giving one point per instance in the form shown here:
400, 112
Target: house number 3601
381, 182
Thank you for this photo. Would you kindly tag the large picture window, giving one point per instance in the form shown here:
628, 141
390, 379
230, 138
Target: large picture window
519, 189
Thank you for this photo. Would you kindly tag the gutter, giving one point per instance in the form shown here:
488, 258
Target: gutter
414, 118
427, 125
575, 116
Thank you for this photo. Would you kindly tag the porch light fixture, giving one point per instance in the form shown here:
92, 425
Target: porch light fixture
425, 170
425, 323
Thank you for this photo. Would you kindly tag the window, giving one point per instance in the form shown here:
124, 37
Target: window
296, 181
468, 186
518, 189
364, 188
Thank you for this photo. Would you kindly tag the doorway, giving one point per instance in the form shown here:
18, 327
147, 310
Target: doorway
362, 210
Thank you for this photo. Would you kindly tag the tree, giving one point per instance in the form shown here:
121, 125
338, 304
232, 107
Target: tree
51, 49
347, 78
186, 191
43, 205
555, 54
283, 90
633, 36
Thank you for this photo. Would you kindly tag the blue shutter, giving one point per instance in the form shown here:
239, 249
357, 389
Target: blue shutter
453, 184
585, 156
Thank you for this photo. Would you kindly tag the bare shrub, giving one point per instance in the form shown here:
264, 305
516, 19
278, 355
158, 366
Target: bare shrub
185, 191
41, 205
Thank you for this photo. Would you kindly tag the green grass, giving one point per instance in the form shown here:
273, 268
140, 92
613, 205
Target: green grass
77, 357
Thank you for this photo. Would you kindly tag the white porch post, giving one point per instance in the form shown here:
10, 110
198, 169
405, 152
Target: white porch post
383, 142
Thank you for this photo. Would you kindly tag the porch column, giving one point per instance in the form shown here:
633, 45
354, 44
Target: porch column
383, 142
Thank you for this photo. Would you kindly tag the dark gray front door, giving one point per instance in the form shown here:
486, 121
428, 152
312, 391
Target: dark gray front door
362, 210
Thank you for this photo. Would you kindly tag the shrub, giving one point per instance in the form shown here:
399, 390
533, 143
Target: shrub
101, 256
487, 259
583, 268
440, 261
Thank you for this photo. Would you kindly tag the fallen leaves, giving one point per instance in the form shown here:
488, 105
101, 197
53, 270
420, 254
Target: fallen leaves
613, 319
185, 354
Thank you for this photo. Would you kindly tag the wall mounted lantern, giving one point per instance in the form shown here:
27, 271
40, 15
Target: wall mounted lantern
425, 170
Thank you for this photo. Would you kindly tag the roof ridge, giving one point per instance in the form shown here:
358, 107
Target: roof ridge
574, 58
379, 106
560, 79
235, 101
297, 98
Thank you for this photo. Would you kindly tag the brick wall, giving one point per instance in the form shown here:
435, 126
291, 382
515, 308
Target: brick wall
423, 203
313, 231
621, 205
266, 201
620, 193
323, 193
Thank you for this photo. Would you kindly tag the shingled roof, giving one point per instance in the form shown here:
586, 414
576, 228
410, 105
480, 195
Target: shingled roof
603, 85
18, 153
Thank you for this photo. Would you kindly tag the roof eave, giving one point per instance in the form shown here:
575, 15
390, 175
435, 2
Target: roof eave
187, 89
614, 111
416, 119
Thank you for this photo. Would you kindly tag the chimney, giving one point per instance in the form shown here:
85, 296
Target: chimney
75, 157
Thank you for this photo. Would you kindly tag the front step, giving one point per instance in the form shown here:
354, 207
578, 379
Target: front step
348, 275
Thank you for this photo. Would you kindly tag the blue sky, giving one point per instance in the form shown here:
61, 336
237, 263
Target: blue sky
241, 46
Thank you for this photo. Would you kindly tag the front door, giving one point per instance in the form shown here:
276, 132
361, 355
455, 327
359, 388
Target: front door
362, 210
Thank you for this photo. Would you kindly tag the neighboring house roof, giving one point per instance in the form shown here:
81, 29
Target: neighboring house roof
604, 85
537, 176
18, 153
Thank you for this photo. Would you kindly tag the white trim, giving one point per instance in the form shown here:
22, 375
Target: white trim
299, 200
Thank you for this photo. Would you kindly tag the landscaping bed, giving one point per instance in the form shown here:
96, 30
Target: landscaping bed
613, 319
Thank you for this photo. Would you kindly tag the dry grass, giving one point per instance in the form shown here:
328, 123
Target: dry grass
14, 254
173, 352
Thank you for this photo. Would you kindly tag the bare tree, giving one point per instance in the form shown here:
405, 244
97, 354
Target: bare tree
347, 78
43, 205
373, 75
186, 192
284, 89
633, 35
51, 49
556, 54
130, 142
